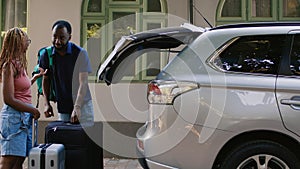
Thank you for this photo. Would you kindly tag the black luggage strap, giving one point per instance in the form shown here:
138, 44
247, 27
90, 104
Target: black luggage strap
43, 155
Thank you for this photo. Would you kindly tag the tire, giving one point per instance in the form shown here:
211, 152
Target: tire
256, 154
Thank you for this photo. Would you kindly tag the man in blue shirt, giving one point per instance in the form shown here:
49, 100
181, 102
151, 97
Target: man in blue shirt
70, 70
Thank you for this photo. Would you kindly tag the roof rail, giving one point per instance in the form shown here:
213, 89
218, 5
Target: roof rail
256, 24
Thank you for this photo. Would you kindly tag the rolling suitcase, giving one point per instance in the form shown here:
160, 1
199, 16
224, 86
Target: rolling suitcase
45, 156
82, 144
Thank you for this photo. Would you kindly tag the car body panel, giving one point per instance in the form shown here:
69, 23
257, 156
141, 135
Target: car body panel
287, 87
287, 91
168, 136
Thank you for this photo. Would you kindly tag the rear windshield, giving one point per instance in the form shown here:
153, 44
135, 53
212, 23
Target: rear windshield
184, 66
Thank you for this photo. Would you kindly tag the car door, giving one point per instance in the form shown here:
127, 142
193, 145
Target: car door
288, 85
128, 48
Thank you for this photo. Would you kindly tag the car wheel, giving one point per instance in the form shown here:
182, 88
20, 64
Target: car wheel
259, 155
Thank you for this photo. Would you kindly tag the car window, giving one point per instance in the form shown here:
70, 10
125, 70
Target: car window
252, 54
295, 56
185, 65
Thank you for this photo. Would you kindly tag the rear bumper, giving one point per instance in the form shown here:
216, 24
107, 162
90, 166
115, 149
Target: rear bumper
156, 165
143, 163
169, 142
148, 164
142, 159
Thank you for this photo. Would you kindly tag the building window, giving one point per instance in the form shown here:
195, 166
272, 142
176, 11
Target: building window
104, 22
291, 8
233, 11
14, 14
94, 6
261, 8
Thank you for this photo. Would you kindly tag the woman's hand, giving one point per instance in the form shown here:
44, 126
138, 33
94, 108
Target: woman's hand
36, 76
36, 114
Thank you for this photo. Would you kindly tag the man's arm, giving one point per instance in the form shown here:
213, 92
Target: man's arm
44, 69
83, 86
46, 92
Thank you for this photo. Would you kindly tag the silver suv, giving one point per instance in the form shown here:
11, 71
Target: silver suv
229, 99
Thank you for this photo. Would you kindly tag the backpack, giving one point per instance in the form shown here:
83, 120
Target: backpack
39, 81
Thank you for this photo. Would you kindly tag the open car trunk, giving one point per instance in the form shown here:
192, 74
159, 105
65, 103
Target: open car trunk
128, 48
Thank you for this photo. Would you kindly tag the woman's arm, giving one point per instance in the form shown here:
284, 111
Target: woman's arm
36, 76
8, 93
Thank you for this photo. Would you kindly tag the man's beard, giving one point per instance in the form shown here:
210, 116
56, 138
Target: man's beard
62, 47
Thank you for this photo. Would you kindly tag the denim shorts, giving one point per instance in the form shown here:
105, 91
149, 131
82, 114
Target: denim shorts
15, 132
87, 114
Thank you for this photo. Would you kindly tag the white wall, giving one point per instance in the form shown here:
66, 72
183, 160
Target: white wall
208, 9
41, 16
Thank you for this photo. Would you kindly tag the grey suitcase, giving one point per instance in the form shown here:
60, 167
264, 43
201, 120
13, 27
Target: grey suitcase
46, 156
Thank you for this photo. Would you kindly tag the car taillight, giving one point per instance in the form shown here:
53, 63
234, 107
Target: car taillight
163, 92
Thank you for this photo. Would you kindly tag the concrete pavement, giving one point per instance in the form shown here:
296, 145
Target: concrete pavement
112, 163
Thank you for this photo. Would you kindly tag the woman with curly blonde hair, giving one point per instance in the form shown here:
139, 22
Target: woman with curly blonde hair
17, 112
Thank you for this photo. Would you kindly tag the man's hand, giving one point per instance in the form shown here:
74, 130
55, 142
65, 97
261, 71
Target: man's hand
48, 111
75, 116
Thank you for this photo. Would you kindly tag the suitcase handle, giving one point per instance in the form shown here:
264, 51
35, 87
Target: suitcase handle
34, 132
